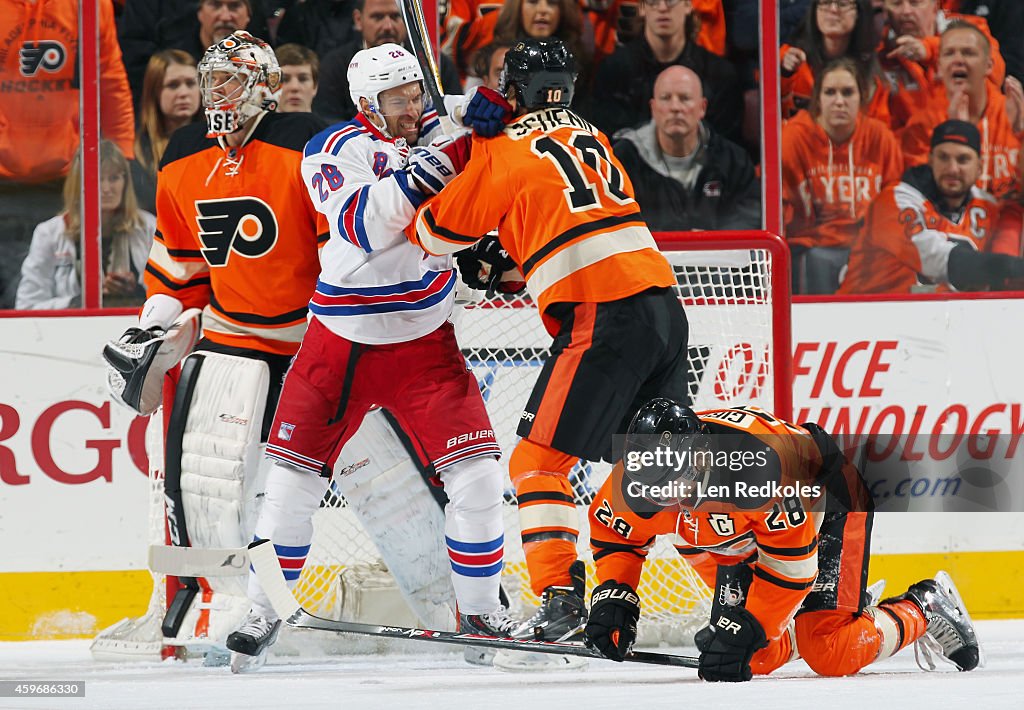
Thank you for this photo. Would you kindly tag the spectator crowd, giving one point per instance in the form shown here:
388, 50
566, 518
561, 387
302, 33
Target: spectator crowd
902, 121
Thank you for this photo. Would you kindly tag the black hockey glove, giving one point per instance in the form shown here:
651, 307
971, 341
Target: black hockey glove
728, 644
614, 611
471, 263
490, 251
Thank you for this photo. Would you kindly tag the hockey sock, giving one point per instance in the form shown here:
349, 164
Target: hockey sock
548, 519
900, 623
286, 519
474, 532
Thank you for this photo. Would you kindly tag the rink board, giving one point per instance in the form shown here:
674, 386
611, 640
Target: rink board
73, 489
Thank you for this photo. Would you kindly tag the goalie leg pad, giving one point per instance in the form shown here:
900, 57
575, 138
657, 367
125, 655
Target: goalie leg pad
212, 480
475, 532
388, 495
220, 450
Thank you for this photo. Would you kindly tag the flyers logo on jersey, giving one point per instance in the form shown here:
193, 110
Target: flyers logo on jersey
47, 55
244, 225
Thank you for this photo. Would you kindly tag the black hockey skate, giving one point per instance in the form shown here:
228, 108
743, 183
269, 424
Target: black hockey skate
498, 623
562, 613
950, 632
249, 644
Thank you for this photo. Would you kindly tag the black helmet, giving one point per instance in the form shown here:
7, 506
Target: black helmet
662, 424
542, 72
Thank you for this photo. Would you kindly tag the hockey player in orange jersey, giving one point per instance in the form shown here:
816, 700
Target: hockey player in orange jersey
778, 523
935, 228
567, 219
965, 60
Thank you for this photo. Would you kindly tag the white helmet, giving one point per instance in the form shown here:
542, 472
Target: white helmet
252, 87
378, 69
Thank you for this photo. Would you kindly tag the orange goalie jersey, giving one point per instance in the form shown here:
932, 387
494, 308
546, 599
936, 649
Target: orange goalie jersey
572, 226
777, 536
237, 235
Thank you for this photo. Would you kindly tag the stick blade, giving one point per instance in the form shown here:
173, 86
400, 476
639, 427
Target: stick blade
198, 562
264, 563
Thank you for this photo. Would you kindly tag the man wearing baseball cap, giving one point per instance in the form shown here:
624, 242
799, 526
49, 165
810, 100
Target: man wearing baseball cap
934, 230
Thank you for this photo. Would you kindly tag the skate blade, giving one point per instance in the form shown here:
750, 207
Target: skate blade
216, 657
527, 661
942, 577
244, 663
477, 656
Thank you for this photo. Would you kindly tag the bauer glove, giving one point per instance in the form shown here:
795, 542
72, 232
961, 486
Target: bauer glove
727, 645
614, 612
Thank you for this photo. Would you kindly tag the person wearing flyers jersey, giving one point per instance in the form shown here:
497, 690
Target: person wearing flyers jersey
569, 224
778, 524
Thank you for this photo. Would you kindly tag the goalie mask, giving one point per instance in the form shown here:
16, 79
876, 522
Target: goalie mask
239, 78
666, 453
541, 72
378, 69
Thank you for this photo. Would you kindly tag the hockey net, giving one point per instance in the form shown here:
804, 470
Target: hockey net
735, 289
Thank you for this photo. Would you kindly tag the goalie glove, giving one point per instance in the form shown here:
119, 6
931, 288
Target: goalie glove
614, 613
139, 359
433, 166
727, 645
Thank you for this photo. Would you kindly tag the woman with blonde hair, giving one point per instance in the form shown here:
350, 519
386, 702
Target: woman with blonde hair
170, 100
50, 274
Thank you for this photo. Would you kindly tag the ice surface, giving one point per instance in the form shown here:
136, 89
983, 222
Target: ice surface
444, 680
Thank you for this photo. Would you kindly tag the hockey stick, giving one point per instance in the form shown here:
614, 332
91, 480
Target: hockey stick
198, 562
268, 571
419, 38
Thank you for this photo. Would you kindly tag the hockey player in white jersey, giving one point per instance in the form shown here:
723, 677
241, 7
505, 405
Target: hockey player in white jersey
380, 334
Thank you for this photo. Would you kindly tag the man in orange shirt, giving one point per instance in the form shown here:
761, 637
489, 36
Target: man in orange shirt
909, 52
778, 524
933, 229
965, 60
568, 221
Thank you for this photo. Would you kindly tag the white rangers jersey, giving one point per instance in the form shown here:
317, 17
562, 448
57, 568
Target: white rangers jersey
374, 286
